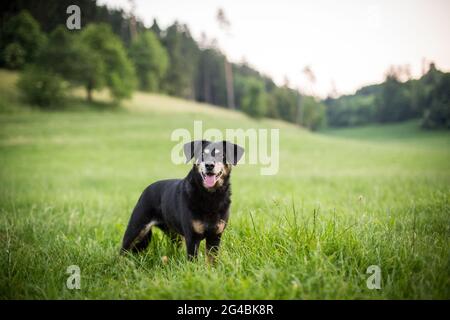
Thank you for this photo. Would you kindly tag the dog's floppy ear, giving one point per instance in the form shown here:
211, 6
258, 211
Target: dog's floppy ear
194, 148
233, 152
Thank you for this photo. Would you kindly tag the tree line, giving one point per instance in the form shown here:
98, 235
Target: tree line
105, 54
116, 51
397, 99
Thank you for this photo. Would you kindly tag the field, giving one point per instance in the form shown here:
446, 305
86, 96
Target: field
343, 200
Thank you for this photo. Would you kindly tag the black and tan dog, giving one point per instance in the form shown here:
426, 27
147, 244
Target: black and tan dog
196, 207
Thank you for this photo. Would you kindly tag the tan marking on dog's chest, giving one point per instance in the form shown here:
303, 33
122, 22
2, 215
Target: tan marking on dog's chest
198, 226
220, 226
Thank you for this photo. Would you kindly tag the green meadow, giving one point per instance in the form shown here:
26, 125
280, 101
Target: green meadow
343, 200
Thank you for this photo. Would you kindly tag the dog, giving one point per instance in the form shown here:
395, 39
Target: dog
196, 207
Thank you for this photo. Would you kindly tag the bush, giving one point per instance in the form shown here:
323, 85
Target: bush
437, 115
41, 87
14, 56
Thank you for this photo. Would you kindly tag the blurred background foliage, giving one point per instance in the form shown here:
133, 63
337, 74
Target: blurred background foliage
116, 51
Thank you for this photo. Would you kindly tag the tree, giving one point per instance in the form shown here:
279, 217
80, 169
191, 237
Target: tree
211, 78
115, 70
150, 60
224, 25
65, 55
393, 103
184, 55
285, 101
156, 29
22, 40
51, 13
253, 97
437, 112
314, 116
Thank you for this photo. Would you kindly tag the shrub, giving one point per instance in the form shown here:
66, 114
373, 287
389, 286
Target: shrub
14, 56
41, 87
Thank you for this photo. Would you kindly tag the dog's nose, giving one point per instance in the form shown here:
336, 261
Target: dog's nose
209, 166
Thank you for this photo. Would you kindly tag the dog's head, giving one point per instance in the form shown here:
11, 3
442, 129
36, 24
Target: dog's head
213, 160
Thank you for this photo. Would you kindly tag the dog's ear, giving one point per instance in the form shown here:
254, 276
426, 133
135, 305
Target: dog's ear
193, 149
233, 152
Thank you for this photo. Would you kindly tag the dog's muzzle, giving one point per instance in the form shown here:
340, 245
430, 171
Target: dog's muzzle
211, 173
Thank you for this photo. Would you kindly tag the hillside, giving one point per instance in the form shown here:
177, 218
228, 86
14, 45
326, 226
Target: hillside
339, 203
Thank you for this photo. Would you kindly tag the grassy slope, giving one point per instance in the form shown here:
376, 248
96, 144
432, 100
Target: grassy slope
70, 179
404, 133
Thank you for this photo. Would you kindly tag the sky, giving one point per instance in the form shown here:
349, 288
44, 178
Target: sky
346, 43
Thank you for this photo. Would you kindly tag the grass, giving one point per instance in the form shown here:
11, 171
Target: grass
405, 133
340, 203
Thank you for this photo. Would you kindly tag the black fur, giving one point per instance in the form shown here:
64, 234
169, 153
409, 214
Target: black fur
174, 205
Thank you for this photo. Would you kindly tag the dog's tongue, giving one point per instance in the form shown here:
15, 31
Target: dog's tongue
210, 181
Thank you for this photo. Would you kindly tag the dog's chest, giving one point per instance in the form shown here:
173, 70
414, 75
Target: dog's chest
208, 226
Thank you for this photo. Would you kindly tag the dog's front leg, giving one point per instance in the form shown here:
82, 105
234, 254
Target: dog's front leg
212, 247
192, 244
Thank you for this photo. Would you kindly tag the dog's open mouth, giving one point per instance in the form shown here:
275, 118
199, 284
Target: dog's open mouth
210, 179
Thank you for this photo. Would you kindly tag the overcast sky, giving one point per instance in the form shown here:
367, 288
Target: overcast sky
348, 42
